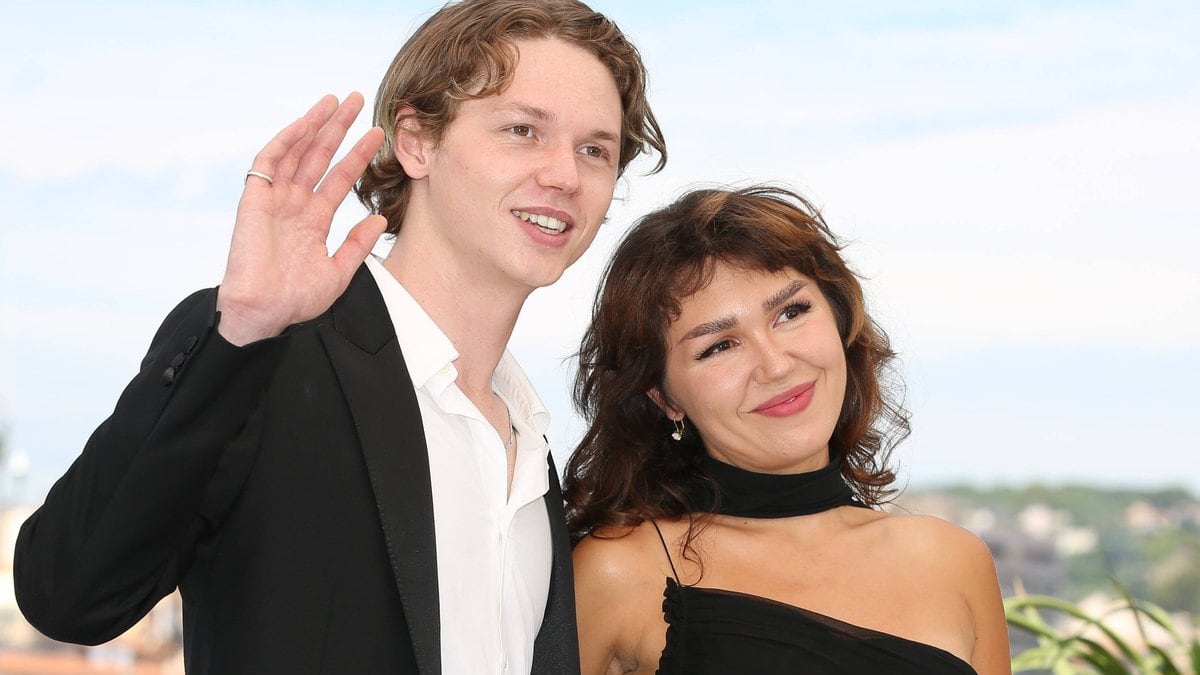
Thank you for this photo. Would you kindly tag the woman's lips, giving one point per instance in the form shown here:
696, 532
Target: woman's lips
789, 402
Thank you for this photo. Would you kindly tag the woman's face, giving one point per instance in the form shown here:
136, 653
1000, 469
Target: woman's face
755, 363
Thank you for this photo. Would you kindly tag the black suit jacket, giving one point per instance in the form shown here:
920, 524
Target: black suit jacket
283, 487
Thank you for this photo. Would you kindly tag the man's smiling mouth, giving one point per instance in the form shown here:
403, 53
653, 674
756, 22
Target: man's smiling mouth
548, 224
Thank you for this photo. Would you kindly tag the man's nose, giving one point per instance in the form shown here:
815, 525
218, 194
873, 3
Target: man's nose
559, 169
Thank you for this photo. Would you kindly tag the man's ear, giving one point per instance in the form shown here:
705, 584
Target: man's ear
411, 145
665, 404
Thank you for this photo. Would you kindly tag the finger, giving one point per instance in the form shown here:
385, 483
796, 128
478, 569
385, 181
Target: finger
317, 116
358, 245
315, 160
349, 169
268, 159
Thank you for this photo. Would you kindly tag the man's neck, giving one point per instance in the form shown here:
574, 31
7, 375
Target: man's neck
475, 313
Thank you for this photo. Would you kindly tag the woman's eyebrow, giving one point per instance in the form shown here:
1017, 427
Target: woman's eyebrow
728, 322
775, 301
710, 327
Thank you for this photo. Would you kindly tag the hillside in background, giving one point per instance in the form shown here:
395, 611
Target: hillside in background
1075, 541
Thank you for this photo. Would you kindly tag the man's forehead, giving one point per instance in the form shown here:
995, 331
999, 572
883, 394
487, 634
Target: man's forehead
526, 109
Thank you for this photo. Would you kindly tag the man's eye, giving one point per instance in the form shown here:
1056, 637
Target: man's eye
595, 151
522, 130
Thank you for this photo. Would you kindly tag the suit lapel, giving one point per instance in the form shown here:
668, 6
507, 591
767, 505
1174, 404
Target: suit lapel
361, 343
556, 649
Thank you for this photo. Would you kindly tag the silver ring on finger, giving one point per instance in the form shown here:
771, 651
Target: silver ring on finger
258, 174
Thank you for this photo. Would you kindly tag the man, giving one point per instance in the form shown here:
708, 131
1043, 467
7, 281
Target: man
337, 462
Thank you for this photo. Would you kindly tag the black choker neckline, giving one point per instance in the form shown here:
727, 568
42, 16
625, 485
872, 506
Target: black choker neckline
747, 494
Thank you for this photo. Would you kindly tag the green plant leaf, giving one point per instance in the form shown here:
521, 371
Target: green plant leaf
1159, 616
1164, 664
1098, 655
1038, 628
1037, 658
1070, 652
1071, 609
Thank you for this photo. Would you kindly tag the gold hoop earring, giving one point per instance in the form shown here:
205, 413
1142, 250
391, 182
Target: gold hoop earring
678, 433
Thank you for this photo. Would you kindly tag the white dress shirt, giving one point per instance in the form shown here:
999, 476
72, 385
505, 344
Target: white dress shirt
493, 546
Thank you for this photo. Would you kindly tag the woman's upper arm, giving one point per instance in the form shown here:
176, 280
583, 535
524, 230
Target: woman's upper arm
991, 655
610, 601
598, 591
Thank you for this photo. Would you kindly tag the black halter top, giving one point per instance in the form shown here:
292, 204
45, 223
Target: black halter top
719, 631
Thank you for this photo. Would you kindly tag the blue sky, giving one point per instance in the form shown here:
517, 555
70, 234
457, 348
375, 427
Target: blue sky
1017, 180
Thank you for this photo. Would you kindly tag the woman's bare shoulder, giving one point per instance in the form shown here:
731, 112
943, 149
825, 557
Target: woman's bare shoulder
620, 554
937, 554
928, 534
929, 545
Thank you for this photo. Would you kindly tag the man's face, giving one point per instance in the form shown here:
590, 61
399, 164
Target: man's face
521, 181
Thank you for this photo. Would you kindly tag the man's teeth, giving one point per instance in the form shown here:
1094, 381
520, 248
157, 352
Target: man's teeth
544, 223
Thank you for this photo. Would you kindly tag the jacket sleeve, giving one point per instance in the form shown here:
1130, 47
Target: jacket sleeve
117, 531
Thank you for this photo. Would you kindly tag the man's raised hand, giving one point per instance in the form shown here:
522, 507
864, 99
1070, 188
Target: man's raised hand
279, 270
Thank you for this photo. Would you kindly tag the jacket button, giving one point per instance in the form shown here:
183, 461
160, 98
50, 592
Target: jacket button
178, 361
190, 344
168, 376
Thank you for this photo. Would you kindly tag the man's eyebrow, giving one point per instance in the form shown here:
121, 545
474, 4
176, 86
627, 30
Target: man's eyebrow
602, 135
710, 327
775, 301
540, 114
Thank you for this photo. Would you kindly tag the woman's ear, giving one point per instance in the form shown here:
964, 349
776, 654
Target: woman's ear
411, 144
665, 404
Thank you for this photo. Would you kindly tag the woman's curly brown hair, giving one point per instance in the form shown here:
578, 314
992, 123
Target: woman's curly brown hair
626, 469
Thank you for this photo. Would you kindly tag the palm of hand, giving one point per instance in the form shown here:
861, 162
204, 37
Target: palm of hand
279, 270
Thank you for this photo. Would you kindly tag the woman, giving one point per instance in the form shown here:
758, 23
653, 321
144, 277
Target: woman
737, 451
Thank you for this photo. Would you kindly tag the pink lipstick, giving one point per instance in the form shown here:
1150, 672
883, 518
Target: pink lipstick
790, 402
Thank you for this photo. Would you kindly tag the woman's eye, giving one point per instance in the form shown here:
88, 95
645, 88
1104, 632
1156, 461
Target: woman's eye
794, 310
522, 130
714, 348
